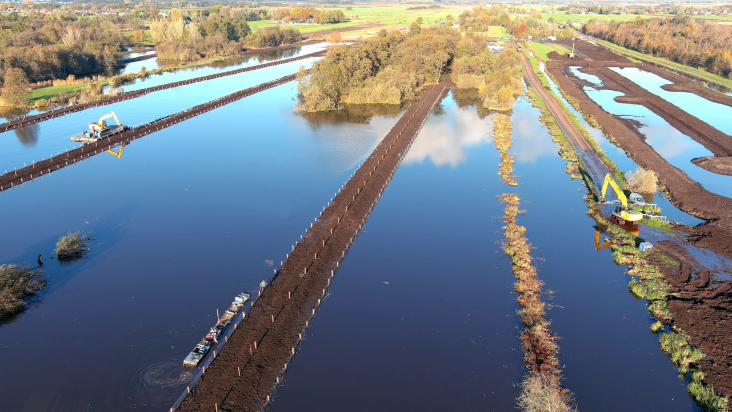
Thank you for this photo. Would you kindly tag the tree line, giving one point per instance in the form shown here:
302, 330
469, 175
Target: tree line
218, 31
682, 39
55, 46
392, 66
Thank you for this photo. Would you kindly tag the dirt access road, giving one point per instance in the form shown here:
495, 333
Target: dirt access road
592, 163
280, 318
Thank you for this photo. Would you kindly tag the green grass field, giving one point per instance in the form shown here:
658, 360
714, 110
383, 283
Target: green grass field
543, 49
496, 31
53, 91
385, 15
561, 17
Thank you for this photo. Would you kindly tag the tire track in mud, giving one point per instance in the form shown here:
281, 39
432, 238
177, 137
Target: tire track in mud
141, 92
48, 166
238, 379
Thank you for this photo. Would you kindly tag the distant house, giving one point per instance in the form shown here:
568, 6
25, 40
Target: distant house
552, 38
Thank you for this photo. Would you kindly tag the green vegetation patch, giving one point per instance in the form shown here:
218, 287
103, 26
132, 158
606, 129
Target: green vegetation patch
543, 49
46, 93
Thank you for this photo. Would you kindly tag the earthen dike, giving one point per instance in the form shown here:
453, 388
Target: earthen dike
239, 379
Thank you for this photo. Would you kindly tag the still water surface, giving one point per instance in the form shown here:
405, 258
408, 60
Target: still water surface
184, 221
423, 313
46, 139
717, 115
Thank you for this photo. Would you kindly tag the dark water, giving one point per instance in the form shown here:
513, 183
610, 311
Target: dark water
184, 221
423, 313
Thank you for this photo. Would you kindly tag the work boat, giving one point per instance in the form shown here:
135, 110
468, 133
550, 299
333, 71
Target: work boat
204, 346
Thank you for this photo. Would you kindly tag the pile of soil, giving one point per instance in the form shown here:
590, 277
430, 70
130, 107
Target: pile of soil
240, 380
703, 308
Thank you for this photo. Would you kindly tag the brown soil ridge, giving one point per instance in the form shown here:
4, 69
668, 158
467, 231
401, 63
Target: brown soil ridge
717, 142
47, 166
685, 193
281, 316
719, 165
138, 93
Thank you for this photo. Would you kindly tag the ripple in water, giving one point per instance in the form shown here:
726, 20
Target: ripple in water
161, 383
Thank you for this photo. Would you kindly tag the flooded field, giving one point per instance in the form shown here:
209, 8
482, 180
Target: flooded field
677, 148
408, 314
46, 139
185, 220
617, 155
717, 115
422, 314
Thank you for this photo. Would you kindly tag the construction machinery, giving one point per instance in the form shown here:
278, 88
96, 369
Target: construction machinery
117, 154
100, 130
621, 212
571, 55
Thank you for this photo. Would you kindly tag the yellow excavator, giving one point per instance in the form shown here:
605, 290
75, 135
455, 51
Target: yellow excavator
621, 211
571, 55
101, 125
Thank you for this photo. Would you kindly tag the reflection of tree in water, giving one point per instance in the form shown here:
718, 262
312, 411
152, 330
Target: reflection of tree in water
275, 55
28, 135
466, 98
15, 113
352, 113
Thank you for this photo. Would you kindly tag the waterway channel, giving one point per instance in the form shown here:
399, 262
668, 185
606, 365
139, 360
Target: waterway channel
46, 139
185, 220
423, 313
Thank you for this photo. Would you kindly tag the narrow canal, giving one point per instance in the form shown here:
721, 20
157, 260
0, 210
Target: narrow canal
423, 314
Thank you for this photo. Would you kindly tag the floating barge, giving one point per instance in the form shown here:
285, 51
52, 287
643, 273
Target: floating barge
204, 346
92, 137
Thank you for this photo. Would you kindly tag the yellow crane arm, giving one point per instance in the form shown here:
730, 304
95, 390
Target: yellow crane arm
118, 154
107, 116
621, 195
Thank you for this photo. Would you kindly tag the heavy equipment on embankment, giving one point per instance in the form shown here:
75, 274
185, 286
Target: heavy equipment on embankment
622, 214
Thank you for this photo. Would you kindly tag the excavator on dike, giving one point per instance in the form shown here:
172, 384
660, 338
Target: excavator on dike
621, 213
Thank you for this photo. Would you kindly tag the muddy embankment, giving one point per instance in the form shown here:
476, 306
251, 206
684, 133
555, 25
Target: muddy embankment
701, 305
137, 93
280, 318
47, 166
684, 192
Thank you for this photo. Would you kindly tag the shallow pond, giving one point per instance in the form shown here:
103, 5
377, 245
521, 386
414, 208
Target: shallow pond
422, 315
42, 140
715, 114
677, 148
186, 219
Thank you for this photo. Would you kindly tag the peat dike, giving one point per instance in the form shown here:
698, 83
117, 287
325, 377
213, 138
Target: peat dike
47, 166
141, 92
245, 373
